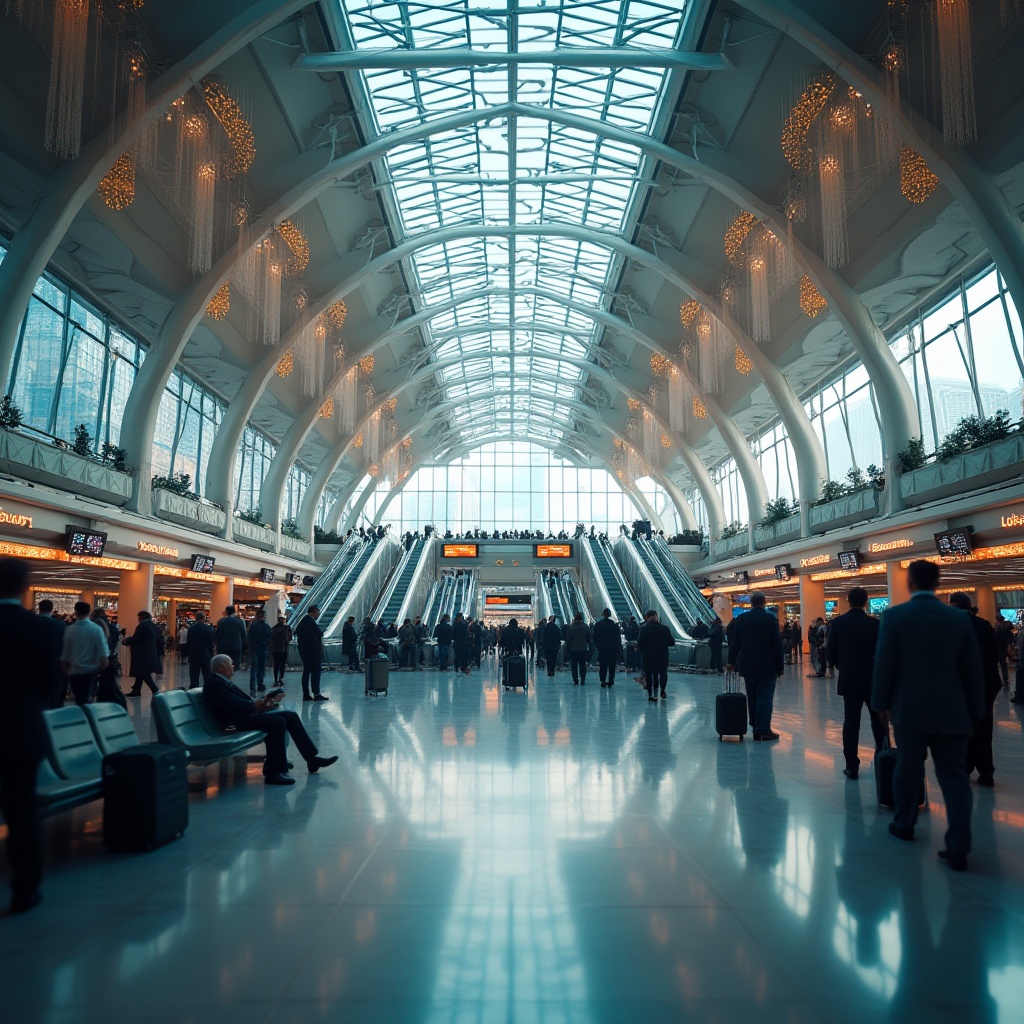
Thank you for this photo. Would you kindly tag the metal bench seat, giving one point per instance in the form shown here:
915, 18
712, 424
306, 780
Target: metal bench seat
182, 718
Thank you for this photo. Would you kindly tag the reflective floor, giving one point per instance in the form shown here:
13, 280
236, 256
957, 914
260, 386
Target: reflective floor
562, 855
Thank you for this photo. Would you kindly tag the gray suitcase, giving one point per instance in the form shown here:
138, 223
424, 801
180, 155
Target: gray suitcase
378, 669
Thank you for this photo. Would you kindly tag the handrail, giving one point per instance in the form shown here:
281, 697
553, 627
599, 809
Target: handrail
598, 576
620, 579
384, 597
331, 574
543, 597
417, 576
668, 585
686, 581
653, 592
428, 612
369, 576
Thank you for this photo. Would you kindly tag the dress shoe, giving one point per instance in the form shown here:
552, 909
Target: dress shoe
664, 695
765, 737
314, 764
320, 696
653, 700
956, 861
986, 780
278, 779
851, 773
23, 902
904, 832
307, 696
131, 694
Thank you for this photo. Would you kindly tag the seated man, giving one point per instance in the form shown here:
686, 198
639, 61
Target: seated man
234, 707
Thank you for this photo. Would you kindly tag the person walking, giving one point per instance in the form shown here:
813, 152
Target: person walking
407, 645
147, 647
928, 682
653, 642
578, 643
84, 654
755, 652
309, 640
55, 628
462, 643
716, 638
229, 636
421, 637
443, 635
630, 632
608, 641
350, 643
260, 635
107, 689
200, 649
551, 641
851, 648
280, 640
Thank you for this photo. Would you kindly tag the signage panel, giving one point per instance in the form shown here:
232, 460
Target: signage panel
552, 551
203, 563
157, 549
955, 543
849, 560
460, 551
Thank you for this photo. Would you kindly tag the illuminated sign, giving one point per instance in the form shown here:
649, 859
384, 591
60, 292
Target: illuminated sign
495, 599
56, 555
815, 560
187, 574
241, 581
157, 549
460, 551
15, 519
877, 546
849, 561
203, 563
552, 551
955, 543
1015, 519
782, 571
758, 573
502, 600
877, 569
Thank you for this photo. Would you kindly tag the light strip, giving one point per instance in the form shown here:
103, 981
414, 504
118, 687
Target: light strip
56, 555
876, 569
242, 581
979, 555
188, 574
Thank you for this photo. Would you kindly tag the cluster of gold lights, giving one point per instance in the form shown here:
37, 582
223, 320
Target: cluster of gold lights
659, 365
238, 130
699, 409
298, 246
117, 187
336, 314
285, 364
619, 443
219, 306
327, 409
811, 300
407, 443
742, 361
391, 404
366, 364
917, 182
373, 469
634, 404
794, 132
736, 234
357, 441
688, 312
666, 441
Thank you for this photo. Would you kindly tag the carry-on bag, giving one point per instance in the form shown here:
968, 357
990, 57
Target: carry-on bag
731, 710
514, 672
145, 796
378, 669
885, 771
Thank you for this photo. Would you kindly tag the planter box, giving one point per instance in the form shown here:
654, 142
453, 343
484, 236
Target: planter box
769, 536
845, 511
190, 512
29, 459
996, 463
296, 547
732, 545
256, 536
326, 552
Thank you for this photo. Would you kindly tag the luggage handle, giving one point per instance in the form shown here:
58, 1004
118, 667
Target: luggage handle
731, 684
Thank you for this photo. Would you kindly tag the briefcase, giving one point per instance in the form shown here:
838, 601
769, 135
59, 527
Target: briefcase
885, 771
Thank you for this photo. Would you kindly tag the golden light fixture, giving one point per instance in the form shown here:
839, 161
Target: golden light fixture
736, 234
220, 304
698, 409
795, 207
391, 404
407, 443
843, 117
327, 409
917, 182
236, 127
794, 132
194, 127
666, 441
618, 442
285, 364
135, 64
703, 325
357, 441
811, 300
688, 311
366, 364
892, 57
659, 364
298, 246
742, 362
336, 314
117, 187
634, 404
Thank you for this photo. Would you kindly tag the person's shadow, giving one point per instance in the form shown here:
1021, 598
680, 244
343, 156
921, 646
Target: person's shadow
762, 816
373, 729
609, 732
654, 747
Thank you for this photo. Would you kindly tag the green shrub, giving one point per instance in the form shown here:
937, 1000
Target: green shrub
913, 456
831, 490
177, 483
113, 457
778, 510
10, 414
974, 432
322, 536
689, 537
290, 528
254, 516
733, 529
82, 444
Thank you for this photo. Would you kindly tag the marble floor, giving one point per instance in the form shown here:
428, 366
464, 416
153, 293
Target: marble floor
568, 854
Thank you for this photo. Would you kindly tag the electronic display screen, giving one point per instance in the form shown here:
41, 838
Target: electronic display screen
85, 542
552, 551
783, 571
500, 600
849, 560
308, 581
742, 577
955, 543
267, 575
460, 551
203, 563
292, 578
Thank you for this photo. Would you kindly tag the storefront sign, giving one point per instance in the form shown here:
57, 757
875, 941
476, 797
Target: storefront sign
759, 573
815, 560
56, 555
187, 574
157, 549
878, 546
1013, 521
15, 519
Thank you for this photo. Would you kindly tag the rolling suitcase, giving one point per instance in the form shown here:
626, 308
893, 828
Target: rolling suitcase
513, 670
145, 796
378, 669
885, 770
731, 710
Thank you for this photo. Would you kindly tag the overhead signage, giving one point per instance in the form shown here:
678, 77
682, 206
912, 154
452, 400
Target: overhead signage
849, 560
783, 571
878, 546
293, 579
85, 542
955, 543
1012, 521
203, 563
552, 551
460, 551
157, 549
806, 563
187, 574
758, 573
15, 519
57, 555
501, 600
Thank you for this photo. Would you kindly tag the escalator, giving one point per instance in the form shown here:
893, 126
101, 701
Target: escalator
391, 606
689, 597
669, 594
620, 596
322, 590
347, 581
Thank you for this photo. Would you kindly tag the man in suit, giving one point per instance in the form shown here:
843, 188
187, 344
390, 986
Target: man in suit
755, 652
928, 681
608, 641
232, 706
29, 681
200, 649
55, 628
851, 648
309, 641
258, 638
653, 642
551, 641
350, 643
229, 635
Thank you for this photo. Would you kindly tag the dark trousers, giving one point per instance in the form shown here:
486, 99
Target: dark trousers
657, 676
979, 750
107, 690
353, 657
606, 663
24, 834
83, 686
443, 653
716, 657
311, 677
280, 661
148, 680
408, 656
851, 729
1004, 672
551, 659
760, 700
578, 665
1018, 684
257, 667
949, 756
462, 656
277, 725
197, 669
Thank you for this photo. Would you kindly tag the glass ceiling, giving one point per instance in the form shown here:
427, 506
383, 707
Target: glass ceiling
513, 328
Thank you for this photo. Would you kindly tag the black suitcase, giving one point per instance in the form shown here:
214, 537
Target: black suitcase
378, 670
145, 796
514, 672
885, 770
731, 710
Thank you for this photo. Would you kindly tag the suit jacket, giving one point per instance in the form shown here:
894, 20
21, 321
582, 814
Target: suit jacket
260, 635
755, 647
30, 678
928, 668
443, 634
551, 636
851, 647
985, 634
607, 637
230, 634
228, 703
348, 637
200, 643
147, 647
309, 639
654, 641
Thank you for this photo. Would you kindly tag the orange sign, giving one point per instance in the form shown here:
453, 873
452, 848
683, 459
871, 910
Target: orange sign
552, 551
460, 551
495, 599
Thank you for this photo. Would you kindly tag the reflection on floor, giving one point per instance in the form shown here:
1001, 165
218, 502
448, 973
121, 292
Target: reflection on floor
567, 854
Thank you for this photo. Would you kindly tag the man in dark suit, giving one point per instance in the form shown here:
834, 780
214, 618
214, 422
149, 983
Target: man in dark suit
851, 648
350, 643
653, 642
755, 652
200, 650
551, 640
309, 641
232, 706
27, 686
928, 682
608, 641
55, 627
230, 635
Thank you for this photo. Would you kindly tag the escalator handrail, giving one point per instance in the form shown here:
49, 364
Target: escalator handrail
654, 564
672, 620
620, 578
685, 580
384, 599
417, 573
428, 611
686, 603
599, 579
332, 572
